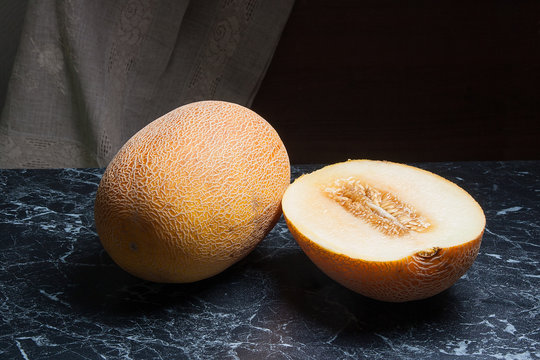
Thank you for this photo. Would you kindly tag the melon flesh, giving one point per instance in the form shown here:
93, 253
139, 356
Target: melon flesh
448, 216
453, 215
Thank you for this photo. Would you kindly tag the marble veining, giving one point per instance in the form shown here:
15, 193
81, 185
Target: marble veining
62, 297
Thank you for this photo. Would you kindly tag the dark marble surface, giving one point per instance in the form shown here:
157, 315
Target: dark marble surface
62, 297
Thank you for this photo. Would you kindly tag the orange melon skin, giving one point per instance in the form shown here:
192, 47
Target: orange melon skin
192, 193
415, 277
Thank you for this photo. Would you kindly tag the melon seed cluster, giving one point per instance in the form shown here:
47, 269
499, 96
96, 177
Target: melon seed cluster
382, 210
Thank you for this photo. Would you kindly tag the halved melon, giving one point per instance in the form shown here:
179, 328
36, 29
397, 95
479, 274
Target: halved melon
388, 231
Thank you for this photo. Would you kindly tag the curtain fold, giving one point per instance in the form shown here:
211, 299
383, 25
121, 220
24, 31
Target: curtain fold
89, 74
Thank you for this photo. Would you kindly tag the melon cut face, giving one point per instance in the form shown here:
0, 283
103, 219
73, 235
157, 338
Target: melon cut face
388, 231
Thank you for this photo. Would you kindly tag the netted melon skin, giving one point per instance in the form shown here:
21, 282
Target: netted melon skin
192, 193
419, 276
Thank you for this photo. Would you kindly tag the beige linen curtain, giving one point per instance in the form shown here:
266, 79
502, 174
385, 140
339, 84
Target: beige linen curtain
90, 73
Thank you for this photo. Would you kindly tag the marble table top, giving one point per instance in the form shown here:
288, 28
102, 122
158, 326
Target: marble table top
62, 297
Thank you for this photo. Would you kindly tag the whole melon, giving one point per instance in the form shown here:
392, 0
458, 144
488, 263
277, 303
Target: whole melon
192, 193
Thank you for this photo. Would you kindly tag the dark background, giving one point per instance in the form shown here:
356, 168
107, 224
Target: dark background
407, 81
390, 79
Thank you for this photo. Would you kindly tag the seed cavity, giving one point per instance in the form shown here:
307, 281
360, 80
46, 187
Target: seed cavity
429, 253
383, 210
